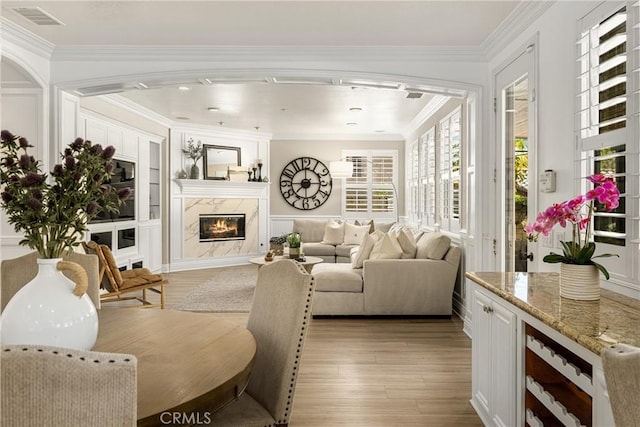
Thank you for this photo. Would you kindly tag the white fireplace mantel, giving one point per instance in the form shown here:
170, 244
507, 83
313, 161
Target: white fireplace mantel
207, 188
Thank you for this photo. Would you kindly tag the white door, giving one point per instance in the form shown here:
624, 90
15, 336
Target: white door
515, 160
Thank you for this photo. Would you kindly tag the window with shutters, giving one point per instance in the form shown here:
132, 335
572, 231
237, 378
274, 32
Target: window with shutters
448, 171
608, 126
370, 192
428, 177
413, 179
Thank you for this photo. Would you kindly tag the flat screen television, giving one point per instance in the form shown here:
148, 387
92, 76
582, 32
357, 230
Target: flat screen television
124, 175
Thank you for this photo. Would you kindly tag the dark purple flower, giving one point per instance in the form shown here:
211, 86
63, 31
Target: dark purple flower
25, 162
31, 179
70, 162
57, 171
68, 152
96, 149
6, 197
34, 204
77, 176
108, 152
92, 208
124, 193
7, 136
108, 167
24, 143
106, 189
77, 144
36, 193
97, 177
8, 161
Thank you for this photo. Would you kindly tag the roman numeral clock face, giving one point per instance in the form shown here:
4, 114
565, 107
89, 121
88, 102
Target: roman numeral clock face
305, 183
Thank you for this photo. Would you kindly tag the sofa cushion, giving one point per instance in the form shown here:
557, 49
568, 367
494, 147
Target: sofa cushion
318, 249
353, 234
384, 226
337, 278
407, 243
386, 248
333, 233
433, 245
344, 250
364, 251
370, 223
311, 230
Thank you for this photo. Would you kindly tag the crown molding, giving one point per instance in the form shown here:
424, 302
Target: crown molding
253, 53
210, 130
521, 18
126, 104
297, 137
14, 33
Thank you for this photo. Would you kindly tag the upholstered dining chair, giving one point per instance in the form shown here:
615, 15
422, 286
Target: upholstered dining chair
54, 386
279, 319
621, 364
17, 272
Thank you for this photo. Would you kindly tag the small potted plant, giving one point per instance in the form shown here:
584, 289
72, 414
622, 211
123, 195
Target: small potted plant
294, 240
194, 152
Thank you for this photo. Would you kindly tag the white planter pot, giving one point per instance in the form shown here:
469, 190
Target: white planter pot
579, 282
46, 312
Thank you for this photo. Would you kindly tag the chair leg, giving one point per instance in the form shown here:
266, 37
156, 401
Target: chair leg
162, 297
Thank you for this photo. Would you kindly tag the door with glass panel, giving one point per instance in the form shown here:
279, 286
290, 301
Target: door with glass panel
515, 174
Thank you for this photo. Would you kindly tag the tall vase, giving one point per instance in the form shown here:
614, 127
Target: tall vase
52, 310
195, 172
579, 282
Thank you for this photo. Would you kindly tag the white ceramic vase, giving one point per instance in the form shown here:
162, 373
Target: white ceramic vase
579, 282
46, 311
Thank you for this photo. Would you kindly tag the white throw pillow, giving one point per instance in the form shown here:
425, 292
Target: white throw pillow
353, 234
386, 248
333, 233
364, 251
433, 245
407, 243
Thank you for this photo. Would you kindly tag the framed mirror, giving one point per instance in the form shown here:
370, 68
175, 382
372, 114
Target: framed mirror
217, 158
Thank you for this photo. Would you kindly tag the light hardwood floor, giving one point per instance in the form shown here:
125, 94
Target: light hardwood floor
374, 372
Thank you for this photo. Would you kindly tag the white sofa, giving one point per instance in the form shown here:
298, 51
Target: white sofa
410, 286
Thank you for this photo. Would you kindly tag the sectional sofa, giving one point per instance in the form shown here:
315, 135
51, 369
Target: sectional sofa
417, 281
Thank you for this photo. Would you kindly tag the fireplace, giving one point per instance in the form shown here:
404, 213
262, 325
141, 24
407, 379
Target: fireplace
215, 227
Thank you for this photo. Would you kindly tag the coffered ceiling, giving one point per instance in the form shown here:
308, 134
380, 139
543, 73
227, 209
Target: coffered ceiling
272, 106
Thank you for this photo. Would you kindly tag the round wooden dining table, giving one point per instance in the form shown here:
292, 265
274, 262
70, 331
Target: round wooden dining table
188, 362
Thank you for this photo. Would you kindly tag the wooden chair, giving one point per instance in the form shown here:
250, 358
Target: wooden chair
17, 272
54, 386
621, 365
116, 284
279, 320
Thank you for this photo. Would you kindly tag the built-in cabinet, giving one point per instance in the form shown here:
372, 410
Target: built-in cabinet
494, 361
136, 242
526, 373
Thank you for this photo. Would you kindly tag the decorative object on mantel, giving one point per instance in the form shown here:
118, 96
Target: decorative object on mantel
50, 310
194, 152
218, 159
294, 240
259, 162
182, 174
579, 277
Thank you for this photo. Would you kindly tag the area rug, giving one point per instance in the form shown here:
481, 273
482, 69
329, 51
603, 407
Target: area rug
230, 289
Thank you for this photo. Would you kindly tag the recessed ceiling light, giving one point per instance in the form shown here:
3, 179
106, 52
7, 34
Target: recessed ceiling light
220, 123
379, 130
351, 124
355, 109
184, 88
182, 118
213, 109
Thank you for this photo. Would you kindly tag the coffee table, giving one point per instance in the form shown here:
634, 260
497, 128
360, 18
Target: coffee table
308, 264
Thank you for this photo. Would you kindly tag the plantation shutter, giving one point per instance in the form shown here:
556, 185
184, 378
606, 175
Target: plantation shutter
608, 124
428, 176
449, 171
413, 179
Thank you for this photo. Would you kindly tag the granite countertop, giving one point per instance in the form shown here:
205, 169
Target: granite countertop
615, 318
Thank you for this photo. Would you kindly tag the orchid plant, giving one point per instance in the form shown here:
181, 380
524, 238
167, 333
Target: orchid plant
581, 249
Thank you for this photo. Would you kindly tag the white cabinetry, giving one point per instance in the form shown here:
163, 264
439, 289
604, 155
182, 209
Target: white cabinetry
494, 354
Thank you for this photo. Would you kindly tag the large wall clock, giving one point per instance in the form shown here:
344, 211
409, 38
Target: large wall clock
305, 183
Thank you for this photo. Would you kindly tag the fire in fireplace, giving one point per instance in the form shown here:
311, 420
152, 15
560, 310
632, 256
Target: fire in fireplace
214, 227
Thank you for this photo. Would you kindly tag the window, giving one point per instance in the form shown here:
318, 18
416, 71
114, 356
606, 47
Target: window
449, 171
428, 177
608, 126
371, 191
413, 179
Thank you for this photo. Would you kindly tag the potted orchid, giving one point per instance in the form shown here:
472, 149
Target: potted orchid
580, 251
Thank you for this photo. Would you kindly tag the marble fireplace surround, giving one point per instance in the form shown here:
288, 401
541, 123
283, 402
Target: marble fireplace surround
192, 198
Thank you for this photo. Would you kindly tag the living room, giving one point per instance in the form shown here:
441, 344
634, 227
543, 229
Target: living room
55, 91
